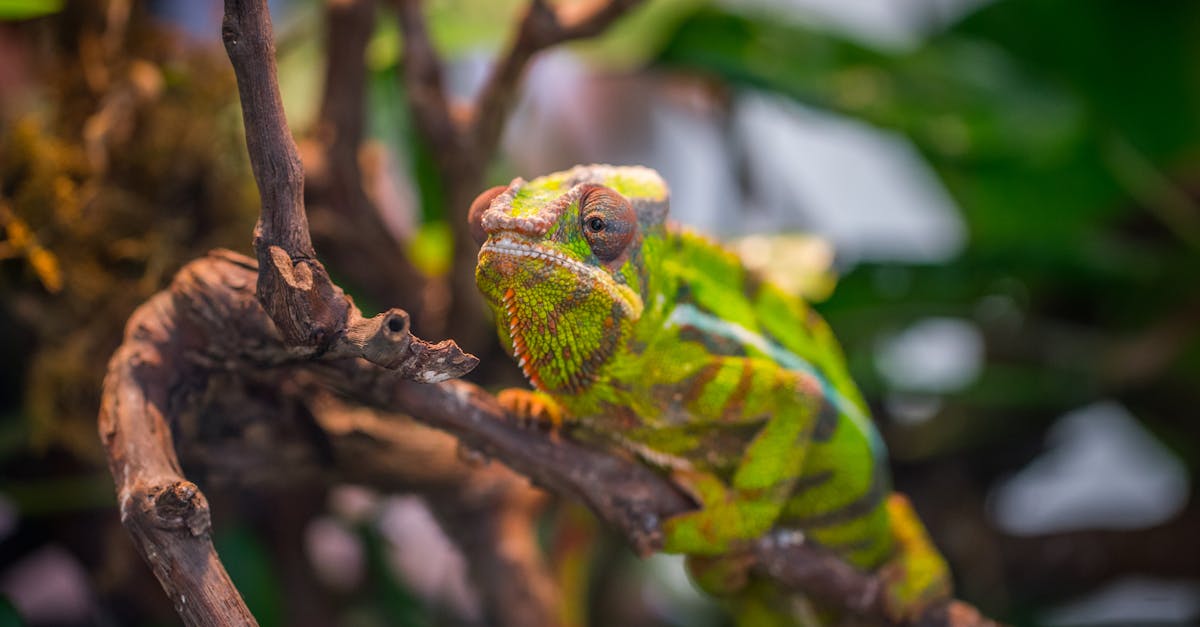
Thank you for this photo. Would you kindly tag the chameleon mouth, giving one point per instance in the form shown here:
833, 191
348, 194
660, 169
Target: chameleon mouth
626, 298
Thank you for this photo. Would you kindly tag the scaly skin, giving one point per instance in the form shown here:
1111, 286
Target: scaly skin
658, 340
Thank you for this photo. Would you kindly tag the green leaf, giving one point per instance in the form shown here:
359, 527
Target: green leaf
26, 9
249, 565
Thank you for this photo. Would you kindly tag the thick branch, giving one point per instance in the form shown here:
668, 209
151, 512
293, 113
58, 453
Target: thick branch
213, 296
167, 515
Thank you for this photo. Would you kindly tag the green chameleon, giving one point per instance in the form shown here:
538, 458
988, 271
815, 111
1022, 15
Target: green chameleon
658, 340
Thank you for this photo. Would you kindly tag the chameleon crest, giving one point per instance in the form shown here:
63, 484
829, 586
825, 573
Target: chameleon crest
562, 266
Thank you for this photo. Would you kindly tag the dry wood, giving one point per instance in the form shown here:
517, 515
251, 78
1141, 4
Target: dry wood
283, 317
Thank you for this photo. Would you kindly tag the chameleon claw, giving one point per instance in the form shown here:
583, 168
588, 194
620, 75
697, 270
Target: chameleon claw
532, 409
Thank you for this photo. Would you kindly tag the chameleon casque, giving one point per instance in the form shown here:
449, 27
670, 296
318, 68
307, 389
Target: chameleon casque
658, 340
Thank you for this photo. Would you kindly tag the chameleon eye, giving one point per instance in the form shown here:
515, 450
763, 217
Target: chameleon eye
608, 222
475, 215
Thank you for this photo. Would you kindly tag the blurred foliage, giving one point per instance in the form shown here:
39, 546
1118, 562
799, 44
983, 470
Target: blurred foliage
250, 567
25, 9
1066, 132
109, 181
8, 614
93, 228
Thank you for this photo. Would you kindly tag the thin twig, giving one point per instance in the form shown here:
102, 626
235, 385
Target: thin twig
298, 319
424, 84
541, 26
348, 228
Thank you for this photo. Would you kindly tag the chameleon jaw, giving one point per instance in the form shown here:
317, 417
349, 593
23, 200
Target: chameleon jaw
520, 352
629, 300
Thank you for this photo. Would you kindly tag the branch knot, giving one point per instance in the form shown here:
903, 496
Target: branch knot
177, 505
301, 298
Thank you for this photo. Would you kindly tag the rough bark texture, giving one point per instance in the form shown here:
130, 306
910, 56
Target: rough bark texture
166, 514
281, 325
209, 322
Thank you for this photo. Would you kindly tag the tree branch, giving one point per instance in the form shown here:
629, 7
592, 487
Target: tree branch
541, 27
297, 320
348, 228
246, 31
166, 515
293, 286
209, 314
426, 93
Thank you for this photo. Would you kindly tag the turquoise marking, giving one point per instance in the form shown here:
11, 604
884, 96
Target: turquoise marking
688, 314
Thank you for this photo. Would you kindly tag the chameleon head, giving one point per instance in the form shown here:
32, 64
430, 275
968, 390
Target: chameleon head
563, 266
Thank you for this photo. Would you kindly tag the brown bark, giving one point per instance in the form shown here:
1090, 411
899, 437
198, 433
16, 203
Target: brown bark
166, 514
296, 330
209, 318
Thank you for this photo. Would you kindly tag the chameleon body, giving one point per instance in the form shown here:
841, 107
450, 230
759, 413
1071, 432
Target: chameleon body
658, 340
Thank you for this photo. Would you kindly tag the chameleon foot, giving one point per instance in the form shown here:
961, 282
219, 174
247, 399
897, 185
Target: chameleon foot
532, 408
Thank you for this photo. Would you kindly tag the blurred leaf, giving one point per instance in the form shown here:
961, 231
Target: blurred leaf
301, 70
8, 614
383, 50
250, 567
58, 495
955, 97
432, 249
636, 38
1133, 63
26, 9
799, 263
389, 121
1019, 147
400, 605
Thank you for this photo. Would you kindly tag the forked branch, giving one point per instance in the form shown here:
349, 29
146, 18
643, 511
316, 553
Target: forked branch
312, 313
296, 321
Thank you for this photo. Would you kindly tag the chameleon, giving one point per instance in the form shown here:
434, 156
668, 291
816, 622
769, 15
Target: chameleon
656, 339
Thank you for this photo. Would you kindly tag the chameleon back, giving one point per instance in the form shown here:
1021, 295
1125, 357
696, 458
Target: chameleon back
712, 306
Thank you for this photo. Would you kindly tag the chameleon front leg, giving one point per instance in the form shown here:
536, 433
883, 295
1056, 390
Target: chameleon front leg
532, 407
748, 506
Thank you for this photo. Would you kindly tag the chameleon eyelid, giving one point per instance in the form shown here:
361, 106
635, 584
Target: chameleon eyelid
608, 222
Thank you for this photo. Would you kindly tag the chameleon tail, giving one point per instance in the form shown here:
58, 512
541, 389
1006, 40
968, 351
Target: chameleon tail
917, 575
572, 553
753, 602
763, 605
